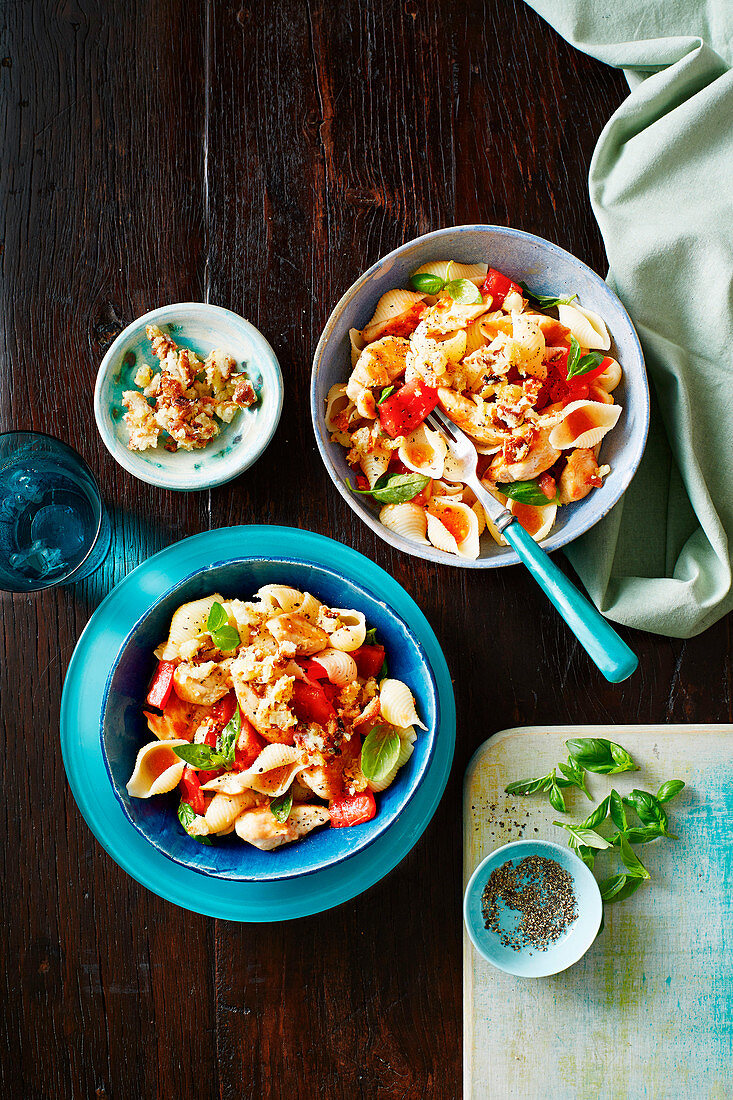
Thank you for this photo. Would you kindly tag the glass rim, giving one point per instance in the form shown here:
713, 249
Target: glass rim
69, 578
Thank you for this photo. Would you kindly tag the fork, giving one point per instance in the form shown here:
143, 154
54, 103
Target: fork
610, 653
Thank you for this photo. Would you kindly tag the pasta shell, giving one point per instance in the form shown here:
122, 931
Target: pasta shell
229, 783
280, 597
475, 273
224, 809
373, 465
445, 488
528, 340
340, 667
397, 704
435, 267
275, 768
351, 634
460, 524
391, 306
492, 324
513, 302
610, 377
310, 608
338, 406
188, 622
357, 345
588, 328
538, 521
584, 424
408, 520
475, 338
454, 346
157, 769
424, 452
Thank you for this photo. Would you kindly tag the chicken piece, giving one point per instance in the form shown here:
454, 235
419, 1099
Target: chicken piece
305, 636
379, 364
540, 457
579, 476
161, 342
472, 416
144, 430
203, 684
180, 719
259, 827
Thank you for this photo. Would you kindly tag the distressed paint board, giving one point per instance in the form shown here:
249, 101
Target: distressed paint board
648, 1012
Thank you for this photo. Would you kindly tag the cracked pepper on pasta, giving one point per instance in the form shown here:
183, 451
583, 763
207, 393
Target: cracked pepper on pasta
532, 391
272, 717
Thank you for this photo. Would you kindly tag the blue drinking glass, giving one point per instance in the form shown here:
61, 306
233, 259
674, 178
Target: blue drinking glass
53, 526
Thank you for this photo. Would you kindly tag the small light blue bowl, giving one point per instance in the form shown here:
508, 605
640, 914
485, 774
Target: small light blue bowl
529, 962
201, 327
123, 728
545, 268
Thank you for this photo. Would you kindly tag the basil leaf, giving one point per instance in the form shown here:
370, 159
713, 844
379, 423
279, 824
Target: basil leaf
427, 284
225, 638
187, 817
598, 755
200, 756
669, 790
217, 618
556, 799
638, 836
584, 364
385, 394
617, 811
575, 776
371, 636
226, 744
598, 815
648, 810
383, 672
379, 752
584, 852
631, 861
280, 807
573, 357
526, 492
547, 301
621, 759
396, 488
584, 836
527, 786
619, 887
463, 291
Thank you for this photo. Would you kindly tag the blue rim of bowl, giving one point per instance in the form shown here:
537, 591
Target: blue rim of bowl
262, 346
580, 869
379, 830
248, 902
503, 557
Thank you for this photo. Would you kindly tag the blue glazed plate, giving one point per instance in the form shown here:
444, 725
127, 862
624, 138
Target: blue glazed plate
545, 268
572, 944
81, 708
124, 729
202, 327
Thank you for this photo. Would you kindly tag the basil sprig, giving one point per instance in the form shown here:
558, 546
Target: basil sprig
596, 754
639, 835
547, 301
187, 817
223, 635
526, 492
379, 752
209, 759
280, 807
648, 809
581, 364
462, 291
394, 488
575, 776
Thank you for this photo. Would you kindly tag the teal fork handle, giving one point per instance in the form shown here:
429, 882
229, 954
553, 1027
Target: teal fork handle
612, 655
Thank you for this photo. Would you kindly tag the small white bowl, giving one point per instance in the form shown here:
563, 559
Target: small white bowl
201, 327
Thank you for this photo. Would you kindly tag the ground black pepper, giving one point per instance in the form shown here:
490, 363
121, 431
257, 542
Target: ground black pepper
541, 891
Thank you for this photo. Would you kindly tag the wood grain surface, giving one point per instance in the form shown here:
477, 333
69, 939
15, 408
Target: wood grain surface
261, 156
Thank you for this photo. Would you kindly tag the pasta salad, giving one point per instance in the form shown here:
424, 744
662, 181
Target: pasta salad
272, 717
533, 390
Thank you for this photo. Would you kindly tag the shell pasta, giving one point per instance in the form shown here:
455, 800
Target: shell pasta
272, 717
533, 390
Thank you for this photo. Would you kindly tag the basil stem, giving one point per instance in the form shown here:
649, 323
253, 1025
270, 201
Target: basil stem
575, 776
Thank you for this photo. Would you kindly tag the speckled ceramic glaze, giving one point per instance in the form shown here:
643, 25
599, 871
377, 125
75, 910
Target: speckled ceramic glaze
201, 327
124, 730
546, 269
528, 962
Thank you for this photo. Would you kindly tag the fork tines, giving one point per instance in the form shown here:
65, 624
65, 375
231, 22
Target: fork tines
440, 422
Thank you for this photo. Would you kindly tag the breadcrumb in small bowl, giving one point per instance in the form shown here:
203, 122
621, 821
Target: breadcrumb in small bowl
188, 396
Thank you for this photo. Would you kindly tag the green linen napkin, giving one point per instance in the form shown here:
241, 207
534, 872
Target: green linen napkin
661, 187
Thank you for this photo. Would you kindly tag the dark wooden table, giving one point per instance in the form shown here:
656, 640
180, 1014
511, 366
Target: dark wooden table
261, 157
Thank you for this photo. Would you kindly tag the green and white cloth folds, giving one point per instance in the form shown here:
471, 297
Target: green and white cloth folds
661, 187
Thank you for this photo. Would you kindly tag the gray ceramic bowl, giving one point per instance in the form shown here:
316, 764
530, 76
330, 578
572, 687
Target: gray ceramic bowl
546, 269
201, 327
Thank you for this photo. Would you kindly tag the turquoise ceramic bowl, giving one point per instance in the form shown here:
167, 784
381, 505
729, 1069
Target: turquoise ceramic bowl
530, 963
123, 728
201, 327
545, 268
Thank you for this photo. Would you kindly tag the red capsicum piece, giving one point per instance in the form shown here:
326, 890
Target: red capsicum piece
223, 711
406, 409
249, 747
190, 788
369, 659
311, 703
354, 809
498, 286
162, 685
311, 668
